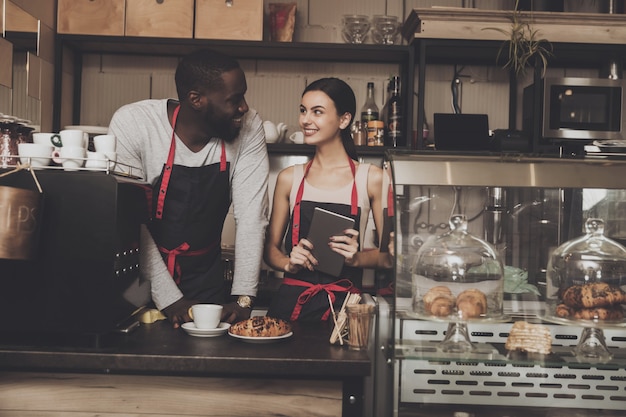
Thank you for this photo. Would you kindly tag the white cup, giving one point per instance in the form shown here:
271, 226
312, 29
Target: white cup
206, 316
297, 137
36, 154
96, 160
105, 143
71, 157
50, 139
74, 138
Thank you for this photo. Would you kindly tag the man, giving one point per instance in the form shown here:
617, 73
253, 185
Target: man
198, 153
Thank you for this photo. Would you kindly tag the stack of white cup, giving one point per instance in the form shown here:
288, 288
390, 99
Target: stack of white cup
70, 148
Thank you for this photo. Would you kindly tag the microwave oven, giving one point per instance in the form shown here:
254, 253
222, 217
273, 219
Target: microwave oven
576, 109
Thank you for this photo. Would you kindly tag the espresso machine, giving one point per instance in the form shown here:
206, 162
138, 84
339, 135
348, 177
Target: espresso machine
83, 277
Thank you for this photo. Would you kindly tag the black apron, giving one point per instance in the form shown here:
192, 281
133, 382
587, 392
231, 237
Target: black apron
304, 296
189, 206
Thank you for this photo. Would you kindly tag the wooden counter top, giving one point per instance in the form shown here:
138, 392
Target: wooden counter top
158, 348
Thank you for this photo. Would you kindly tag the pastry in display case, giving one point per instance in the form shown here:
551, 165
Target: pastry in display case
586, 278
457, 277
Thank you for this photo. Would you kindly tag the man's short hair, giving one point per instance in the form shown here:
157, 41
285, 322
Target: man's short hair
202, 68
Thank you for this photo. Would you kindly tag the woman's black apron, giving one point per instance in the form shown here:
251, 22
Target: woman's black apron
189, 206
304, 296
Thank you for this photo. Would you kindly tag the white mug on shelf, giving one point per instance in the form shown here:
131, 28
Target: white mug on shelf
73, 138
105, 143
71, 157
297, 137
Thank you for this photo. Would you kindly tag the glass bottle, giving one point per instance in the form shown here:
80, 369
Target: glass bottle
395, 135
369, 111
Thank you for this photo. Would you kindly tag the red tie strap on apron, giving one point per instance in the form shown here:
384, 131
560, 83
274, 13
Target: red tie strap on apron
182, 250
169, 164
354, 202
390, 202
343, 285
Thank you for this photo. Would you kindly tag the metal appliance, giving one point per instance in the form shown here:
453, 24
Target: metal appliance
84, 278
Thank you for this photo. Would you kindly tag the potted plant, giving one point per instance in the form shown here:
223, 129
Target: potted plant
524, 45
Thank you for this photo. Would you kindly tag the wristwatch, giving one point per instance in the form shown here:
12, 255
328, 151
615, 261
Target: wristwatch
244, 301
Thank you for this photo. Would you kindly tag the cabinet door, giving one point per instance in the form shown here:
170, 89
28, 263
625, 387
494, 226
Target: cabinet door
236, 20
159, 18
91, 17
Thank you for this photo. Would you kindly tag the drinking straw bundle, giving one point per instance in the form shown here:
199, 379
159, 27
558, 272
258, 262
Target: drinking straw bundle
341, 319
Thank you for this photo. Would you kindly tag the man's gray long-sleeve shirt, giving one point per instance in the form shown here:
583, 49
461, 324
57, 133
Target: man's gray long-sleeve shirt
144, 136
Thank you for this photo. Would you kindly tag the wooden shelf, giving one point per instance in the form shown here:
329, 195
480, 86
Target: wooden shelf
290, 51
473, 24
291, 149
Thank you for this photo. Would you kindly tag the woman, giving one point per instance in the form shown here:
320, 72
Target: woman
333, 180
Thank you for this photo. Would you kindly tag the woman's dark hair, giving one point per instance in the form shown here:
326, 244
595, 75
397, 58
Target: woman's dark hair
202, 68
345, 102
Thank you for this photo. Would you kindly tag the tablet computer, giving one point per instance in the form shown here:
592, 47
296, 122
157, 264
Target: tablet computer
325, 224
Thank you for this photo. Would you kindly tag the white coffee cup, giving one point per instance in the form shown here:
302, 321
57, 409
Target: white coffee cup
206, 316
36, 154
74, 138
105, 143
96, 160
297, 137
50, 139
71, 157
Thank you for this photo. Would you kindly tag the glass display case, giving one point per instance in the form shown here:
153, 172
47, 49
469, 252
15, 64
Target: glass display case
490, 224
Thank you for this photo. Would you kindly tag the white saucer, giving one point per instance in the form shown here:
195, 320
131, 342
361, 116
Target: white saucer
191, 329
251, 339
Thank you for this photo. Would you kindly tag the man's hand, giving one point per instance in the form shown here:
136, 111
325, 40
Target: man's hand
232, 313
178, 312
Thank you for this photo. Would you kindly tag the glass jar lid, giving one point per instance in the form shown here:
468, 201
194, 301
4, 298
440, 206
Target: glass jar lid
586, 277
454, 265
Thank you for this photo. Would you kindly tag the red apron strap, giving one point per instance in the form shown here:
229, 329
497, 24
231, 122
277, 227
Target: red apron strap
390, 202
167, 170
295, 226
343, 285
223, 158
355, 198
182, 250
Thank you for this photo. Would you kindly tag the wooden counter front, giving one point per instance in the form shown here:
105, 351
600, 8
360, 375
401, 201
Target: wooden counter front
158, 370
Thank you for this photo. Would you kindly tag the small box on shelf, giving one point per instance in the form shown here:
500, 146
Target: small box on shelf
91, 17
232, 20
154, 18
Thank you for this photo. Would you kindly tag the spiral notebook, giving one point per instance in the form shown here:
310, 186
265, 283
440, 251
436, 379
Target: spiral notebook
325, 224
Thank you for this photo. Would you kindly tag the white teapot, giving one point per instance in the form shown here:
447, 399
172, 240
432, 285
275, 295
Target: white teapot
274, 133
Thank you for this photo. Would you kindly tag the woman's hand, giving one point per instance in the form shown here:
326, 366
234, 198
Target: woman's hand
346, 245
301, 257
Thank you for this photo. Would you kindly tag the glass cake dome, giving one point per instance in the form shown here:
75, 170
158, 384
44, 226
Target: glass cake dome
586, 278
457, 276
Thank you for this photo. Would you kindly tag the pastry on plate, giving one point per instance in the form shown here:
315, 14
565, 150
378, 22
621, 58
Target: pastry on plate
260, 326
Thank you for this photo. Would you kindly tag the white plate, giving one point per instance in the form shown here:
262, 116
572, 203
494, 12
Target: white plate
191, 329
92, 130
251, 339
